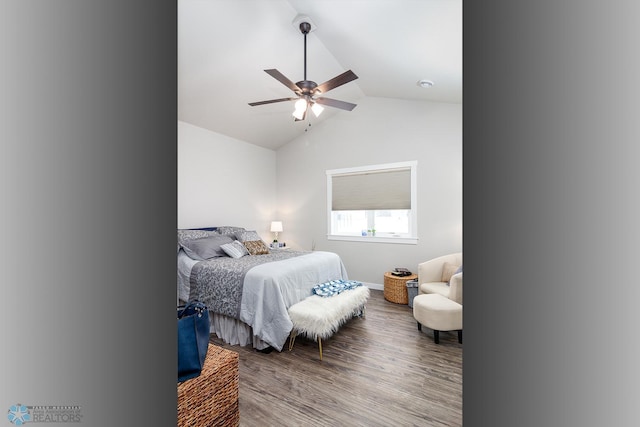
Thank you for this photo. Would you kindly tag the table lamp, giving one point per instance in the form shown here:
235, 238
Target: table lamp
276, 227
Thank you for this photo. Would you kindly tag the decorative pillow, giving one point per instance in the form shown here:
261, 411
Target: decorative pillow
229, 231
256, 247
235, 249
206, 247
448, 270
248, 236
185, 236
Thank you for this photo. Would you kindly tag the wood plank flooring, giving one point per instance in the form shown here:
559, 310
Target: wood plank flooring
376, 371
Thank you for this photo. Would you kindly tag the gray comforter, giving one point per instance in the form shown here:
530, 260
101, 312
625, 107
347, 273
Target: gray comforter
218, 282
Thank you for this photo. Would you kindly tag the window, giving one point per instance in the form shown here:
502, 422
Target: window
373, 203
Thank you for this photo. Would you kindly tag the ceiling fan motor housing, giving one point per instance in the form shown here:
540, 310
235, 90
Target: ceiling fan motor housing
307, 87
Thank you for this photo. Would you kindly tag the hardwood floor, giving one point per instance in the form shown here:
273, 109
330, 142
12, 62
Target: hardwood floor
376, 371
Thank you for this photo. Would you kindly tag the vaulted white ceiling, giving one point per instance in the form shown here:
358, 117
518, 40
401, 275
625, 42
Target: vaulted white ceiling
224, 46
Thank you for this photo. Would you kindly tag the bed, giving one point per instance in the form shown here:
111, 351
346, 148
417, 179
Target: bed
247, 287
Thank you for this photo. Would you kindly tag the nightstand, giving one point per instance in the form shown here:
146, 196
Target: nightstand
395, 288
278, 248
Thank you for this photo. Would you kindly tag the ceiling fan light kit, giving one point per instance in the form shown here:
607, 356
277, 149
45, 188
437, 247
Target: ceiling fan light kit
308, 92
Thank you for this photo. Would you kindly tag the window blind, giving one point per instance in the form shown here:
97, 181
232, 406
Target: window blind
374, 190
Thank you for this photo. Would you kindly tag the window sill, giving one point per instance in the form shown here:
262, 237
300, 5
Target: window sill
376, 239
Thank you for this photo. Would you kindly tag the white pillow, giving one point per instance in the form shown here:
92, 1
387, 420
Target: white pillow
235, 249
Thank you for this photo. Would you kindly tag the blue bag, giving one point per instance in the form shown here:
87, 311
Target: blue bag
193, 339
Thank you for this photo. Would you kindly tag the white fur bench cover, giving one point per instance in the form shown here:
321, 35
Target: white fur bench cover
320, 317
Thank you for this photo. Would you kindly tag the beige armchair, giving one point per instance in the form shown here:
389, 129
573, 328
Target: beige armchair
430, 275
438, 304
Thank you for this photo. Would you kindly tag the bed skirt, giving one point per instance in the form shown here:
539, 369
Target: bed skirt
234, 332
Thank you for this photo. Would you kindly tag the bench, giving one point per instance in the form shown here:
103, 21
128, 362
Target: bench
319, 317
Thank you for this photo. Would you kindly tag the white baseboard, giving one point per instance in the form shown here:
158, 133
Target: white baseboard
375, 286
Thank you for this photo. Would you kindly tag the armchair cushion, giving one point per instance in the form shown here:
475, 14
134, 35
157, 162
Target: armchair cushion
448, 270
441, 288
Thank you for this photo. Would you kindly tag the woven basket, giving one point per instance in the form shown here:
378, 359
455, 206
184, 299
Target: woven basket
211, 399
395, 288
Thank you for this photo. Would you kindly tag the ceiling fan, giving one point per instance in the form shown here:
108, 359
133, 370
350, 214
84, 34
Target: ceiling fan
308, 91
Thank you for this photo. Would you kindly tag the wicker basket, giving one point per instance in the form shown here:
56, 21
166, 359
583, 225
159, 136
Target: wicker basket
211, 399
395, 288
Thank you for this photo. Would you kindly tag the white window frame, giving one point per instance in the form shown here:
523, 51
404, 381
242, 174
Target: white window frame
413, 216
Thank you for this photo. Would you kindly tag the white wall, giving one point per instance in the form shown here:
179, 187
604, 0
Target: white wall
224, 181
377, 131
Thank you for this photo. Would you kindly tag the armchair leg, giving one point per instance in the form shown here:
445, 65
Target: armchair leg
436, 336
419, 326
460, 336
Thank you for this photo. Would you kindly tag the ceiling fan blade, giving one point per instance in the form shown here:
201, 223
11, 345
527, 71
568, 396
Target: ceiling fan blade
271, 101
282, 79
343, 78
336, 104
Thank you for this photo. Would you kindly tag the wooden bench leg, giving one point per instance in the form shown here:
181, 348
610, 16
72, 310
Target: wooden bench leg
292, 338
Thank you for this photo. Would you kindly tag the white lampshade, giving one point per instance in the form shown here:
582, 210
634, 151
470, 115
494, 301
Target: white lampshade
276, 226
317, 109
298, 114
300, 108
301, 104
